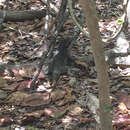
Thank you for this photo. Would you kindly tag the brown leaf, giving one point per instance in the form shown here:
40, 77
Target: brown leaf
25, 71
67, 120
76, 110
37, 99
86, 120
36, 114
27, 120
24, 84
3, 95
16, 98
124, 98
84, 64
122, 107
67, 98
57, 94
2, 82
5, 120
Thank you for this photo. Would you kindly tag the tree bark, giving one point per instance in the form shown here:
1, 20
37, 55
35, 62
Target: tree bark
20, 16
101, 67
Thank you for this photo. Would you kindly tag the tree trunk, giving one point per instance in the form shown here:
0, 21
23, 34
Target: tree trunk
98, 52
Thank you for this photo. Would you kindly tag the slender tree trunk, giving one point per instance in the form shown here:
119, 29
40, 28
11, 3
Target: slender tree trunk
98, 52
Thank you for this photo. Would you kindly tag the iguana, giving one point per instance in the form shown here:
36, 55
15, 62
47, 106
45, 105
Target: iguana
58, 66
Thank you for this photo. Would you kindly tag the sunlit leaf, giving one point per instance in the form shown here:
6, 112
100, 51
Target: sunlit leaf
120, 21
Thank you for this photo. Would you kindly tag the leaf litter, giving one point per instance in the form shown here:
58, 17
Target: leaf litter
74, 102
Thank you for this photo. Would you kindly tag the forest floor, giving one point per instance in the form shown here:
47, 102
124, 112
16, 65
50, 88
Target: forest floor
73, 104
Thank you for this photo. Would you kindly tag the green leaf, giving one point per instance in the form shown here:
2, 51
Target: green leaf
120, 21
60, 114
107, 108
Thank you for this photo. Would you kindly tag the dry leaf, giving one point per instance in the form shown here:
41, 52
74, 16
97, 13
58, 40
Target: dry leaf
16, 98
37, 99
5, 120
57, 94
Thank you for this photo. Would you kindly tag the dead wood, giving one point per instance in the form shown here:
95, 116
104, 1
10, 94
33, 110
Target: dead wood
20, 16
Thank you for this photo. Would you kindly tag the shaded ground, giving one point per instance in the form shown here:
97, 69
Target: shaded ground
69, 105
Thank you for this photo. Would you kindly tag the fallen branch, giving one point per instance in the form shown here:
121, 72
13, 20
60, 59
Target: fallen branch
20, 16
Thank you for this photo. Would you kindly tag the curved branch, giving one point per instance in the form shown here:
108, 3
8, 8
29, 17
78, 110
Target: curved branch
124, 19
74, 19
120, 29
